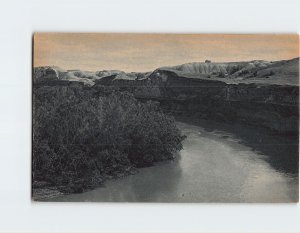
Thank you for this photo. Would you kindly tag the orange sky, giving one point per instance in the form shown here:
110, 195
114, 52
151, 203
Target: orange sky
146, 52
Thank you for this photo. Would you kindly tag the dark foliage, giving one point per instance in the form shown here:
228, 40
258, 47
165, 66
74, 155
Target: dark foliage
79, 140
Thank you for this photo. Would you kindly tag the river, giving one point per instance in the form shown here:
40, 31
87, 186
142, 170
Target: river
217, 164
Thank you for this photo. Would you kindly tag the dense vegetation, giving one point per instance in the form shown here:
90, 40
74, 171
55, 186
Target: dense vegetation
80, 139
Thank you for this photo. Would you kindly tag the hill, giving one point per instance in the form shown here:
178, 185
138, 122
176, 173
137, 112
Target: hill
285, 72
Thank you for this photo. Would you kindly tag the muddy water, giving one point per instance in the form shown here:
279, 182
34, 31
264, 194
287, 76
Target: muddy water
214, 166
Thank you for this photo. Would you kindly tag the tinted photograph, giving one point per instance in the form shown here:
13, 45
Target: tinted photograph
177, 118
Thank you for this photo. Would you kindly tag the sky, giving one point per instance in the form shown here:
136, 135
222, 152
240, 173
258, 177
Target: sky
146, 52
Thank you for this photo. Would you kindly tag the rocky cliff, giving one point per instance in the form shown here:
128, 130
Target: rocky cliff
259, 93
272, 106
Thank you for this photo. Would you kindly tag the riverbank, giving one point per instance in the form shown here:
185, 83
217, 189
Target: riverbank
43, 190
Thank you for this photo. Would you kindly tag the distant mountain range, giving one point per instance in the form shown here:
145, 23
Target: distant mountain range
285, 72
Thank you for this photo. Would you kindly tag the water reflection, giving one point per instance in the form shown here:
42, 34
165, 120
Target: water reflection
151, 183
280, 151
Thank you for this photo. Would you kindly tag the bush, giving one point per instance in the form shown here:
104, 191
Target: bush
80, 139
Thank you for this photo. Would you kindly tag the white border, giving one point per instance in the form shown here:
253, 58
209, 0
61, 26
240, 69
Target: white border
19, 19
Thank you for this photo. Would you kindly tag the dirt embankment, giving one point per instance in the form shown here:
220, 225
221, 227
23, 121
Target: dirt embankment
267, 105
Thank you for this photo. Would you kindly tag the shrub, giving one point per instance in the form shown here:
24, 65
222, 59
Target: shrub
80, 139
